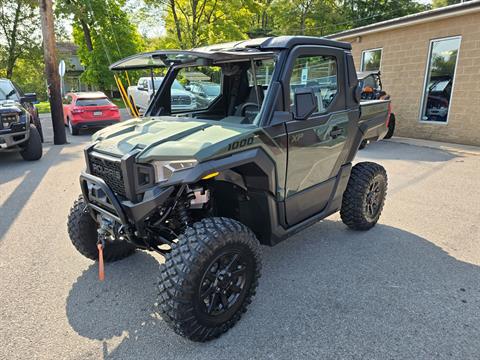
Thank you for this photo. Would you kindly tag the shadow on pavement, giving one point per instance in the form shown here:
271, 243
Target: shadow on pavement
382, 150
326, 293
12, 167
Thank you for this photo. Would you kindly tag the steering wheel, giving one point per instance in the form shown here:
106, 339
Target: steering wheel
243, 107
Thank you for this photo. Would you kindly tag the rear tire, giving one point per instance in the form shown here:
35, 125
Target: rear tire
72, 128
209, 278
391, 127
82, 230
32, 148
364, 197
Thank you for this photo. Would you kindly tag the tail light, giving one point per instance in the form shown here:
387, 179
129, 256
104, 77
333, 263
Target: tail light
76, 110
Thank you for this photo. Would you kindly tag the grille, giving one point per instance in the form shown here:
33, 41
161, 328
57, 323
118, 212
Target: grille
181, 100
109, 171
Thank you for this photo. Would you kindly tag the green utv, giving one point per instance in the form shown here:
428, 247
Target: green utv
205, 181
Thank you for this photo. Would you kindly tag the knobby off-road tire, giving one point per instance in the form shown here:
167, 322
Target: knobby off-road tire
82, 230
364, 197
32, 149
391, 127
199, 265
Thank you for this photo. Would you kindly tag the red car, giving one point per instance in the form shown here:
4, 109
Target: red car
84, 110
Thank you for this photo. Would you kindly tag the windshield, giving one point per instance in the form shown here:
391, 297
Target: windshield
229, 93
7, 91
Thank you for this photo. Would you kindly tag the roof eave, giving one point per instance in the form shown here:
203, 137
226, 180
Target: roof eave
409, 20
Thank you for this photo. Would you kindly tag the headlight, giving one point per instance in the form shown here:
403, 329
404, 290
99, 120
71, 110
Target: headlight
165, 169
9, 119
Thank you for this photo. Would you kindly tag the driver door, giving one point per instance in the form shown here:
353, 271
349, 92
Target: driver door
315, 144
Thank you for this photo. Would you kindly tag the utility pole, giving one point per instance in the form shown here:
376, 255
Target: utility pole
51, 71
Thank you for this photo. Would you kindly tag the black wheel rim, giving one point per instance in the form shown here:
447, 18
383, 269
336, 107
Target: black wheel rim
223, 283
374, 198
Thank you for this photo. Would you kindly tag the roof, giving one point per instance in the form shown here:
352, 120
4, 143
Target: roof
274, 42
421, 17
88, 94
260, 48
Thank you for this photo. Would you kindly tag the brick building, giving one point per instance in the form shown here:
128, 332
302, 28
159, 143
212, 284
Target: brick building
430, 64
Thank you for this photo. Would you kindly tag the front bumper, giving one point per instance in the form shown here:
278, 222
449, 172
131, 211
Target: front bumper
101, 199
9, 139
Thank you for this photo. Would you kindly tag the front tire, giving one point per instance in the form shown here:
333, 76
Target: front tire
209, 278
38, 125
32, 149
364, 197
82, 230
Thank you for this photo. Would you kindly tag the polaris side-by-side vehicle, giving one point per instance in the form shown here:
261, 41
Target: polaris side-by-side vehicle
20, 127
268, 156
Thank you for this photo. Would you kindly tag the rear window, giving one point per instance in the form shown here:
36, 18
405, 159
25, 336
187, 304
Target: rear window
93, 102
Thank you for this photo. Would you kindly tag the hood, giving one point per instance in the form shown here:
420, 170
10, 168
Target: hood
11, 105
164, 138
181, 92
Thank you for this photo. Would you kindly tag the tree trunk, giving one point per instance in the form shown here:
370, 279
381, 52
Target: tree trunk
12, 44
51, 70
87, 35
177, 23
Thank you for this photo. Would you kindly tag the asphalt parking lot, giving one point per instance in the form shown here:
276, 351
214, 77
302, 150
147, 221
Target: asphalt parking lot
407, 289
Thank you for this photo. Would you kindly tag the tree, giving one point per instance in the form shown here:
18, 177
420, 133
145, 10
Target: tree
365, 12
104, 34
18, 24
305, 17
441, 3
193, 23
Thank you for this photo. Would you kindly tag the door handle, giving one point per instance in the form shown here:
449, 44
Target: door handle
336, 131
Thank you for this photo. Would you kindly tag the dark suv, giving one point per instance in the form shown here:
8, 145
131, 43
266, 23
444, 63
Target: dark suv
20, 127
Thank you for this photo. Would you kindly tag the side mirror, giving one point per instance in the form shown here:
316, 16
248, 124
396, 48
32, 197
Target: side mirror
29, 97
306, 103
141, 88
188, 88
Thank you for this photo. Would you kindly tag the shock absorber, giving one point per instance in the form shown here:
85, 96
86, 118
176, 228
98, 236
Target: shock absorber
183, 206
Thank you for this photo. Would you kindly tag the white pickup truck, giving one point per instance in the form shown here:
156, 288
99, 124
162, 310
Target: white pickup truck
143, 92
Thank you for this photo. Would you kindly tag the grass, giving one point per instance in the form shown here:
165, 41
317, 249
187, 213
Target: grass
44, 106
119, 103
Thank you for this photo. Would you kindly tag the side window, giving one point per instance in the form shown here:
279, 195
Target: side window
67, 100
318, 73
195, 88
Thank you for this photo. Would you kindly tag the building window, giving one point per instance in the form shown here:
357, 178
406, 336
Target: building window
371, 60
440, 75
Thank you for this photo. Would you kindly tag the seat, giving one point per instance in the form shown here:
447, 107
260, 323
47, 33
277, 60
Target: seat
250, 107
